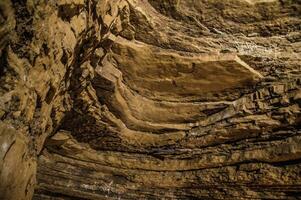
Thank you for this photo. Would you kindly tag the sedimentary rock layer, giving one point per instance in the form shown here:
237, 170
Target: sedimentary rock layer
145, 99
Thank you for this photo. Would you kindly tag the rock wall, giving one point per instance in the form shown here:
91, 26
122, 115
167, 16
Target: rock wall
144, 99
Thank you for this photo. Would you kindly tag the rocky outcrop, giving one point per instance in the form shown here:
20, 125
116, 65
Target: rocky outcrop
150, 99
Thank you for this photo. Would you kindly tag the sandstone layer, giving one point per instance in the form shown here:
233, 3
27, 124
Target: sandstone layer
147, 99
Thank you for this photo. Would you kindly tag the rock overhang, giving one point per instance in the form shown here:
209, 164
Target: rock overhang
172, 75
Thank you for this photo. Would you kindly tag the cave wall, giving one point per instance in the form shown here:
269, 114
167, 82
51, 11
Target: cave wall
44, 47
137, 99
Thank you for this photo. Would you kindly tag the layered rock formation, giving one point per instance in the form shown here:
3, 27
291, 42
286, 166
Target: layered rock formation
145, 99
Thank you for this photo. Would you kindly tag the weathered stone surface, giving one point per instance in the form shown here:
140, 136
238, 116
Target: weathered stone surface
145, 99
17, 166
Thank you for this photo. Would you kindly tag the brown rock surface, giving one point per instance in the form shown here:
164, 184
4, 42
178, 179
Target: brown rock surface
147, 99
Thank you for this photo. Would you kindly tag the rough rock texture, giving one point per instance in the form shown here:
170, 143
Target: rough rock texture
148, 99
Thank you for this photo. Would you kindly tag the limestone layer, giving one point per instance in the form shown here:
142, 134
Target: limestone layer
147, 99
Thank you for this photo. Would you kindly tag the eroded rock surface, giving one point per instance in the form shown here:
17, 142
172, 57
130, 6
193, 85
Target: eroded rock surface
145, 99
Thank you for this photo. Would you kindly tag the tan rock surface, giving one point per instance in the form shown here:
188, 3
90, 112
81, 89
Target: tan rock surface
147, 99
